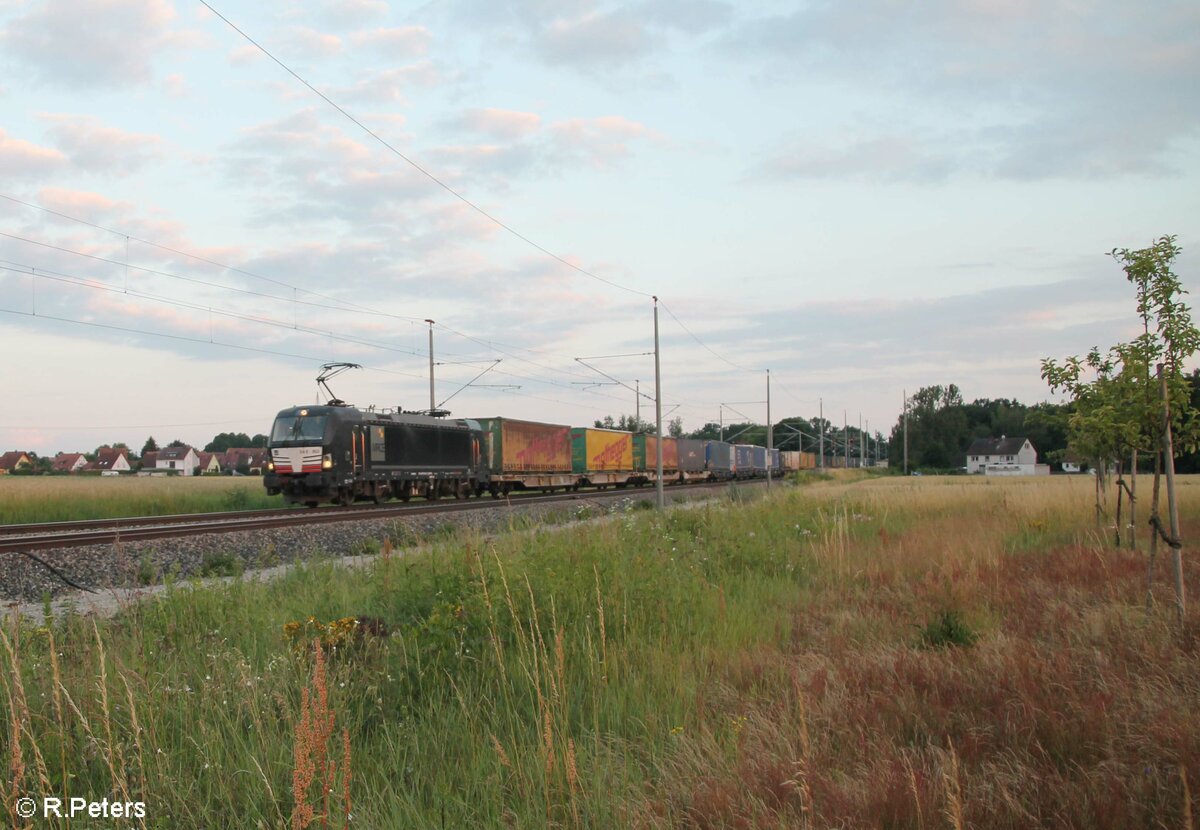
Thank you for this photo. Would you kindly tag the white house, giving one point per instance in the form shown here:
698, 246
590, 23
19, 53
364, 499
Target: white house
183, 460
69, 462
1004, 456
110, 462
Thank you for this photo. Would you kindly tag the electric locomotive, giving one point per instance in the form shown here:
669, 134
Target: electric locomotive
338, 453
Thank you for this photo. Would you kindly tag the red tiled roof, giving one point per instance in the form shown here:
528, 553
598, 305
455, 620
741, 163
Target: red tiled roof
108, 456
65, 461
10, 460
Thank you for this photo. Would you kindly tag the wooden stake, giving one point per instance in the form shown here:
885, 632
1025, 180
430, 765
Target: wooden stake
1172, 505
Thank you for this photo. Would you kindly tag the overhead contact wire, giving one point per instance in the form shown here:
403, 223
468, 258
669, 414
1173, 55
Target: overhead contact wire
412, 163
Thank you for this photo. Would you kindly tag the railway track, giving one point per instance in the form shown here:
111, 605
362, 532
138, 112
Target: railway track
30, 537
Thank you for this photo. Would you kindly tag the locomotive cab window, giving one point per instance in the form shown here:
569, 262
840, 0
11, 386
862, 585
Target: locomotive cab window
298, 428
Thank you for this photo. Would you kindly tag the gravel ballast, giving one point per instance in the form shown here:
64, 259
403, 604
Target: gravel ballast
131, 567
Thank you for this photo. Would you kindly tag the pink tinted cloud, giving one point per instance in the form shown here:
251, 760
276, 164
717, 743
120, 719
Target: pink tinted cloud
600, 141
308, 43
82, 203
501, 123
24, 159
175, 85
389, 85
244, 55
96, 147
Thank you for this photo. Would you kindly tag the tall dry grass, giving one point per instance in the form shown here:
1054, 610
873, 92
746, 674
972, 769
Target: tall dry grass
1071, 708
860, 652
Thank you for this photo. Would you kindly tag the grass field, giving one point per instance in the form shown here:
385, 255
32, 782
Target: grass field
27, 499
890, 652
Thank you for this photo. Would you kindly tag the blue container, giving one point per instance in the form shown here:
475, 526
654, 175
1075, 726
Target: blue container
719, 459
743, 464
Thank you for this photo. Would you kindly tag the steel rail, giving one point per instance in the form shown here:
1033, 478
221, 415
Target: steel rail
140, 528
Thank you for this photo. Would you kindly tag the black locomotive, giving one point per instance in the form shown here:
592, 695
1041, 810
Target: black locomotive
339, 453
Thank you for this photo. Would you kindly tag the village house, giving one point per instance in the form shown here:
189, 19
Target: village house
69, 462
183, 460
110, 462
14, 460
244, 460
210, 463
1004, 456
149, 459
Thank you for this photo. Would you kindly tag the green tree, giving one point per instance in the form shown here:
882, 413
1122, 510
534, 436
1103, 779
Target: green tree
628, 423
225, 440
675, 427
1121, 397
150, 446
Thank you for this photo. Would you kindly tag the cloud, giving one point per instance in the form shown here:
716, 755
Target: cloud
499, 123
405, 41
308, 44
96, 148
600, 142
21, 159
887, 157
988, 338
518, 143
1033, 90
352, 12
244, 55
594, 37
387, 86
90, 43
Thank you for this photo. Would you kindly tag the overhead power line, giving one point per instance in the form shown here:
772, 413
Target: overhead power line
704, 345
68, 279
423, 171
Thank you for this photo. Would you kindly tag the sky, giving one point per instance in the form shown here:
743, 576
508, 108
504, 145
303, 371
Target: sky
863, 198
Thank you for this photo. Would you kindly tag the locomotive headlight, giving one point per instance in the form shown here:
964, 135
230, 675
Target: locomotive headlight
270, 466
327, 462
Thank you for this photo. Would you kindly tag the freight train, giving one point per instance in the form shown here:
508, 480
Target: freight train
338, 453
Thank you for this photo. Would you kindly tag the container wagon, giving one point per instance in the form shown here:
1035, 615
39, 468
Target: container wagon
526, 455
759, 462
645, 458
720, 460
602, 457
691, 459
743, 460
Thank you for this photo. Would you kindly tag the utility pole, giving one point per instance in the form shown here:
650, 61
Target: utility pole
770, 430
845, 440
658, 413
867, 444
431, 397
821, 427
637, 402
862, 461
721, 409
905, 419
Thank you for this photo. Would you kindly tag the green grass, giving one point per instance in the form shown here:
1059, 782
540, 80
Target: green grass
759, 663
31, 499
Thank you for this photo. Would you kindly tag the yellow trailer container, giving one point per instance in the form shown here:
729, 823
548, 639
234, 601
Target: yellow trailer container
606, 450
